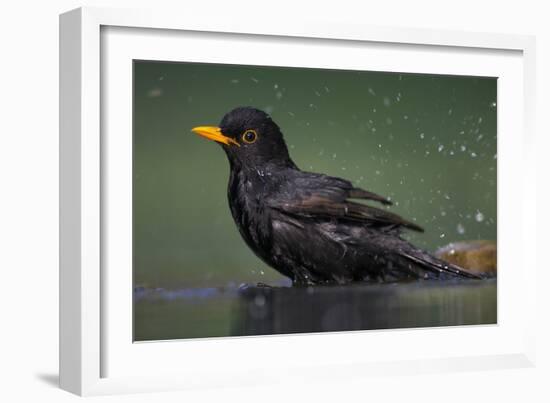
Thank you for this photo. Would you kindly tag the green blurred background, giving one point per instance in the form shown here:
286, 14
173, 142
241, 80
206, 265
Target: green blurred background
426, 141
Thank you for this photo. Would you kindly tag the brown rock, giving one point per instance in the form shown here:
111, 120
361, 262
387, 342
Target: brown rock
476, 256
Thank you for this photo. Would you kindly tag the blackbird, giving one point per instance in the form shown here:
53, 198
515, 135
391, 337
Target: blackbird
310, 226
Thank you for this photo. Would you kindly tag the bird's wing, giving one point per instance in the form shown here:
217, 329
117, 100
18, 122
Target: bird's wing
358, 193
326, 197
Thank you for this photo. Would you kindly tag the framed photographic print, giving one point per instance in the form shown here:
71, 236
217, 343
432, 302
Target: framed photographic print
240, 199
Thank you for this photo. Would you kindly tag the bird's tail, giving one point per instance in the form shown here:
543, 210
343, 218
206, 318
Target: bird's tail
435, 265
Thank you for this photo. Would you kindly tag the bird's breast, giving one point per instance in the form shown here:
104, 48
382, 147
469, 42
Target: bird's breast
248, 208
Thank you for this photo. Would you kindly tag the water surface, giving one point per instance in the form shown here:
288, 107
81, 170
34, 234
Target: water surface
241, 311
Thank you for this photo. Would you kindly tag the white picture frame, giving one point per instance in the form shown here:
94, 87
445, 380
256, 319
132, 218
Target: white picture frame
94, 325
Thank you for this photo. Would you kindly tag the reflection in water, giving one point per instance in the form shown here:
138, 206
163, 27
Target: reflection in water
237, 311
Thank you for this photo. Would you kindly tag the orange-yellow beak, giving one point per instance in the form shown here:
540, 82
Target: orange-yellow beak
214, 133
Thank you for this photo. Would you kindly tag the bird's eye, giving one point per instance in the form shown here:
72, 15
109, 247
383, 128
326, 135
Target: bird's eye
250, 136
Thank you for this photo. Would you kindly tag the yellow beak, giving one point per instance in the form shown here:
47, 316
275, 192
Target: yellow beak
214, 133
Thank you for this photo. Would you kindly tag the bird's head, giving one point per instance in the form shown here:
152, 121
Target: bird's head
249, 137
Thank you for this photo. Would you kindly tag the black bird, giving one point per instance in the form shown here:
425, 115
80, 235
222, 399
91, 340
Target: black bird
307, 225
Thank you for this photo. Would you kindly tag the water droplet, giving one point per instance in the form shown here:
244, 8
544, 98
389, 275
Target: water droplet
440, 148
462, 148
254, 79
442, 236
421, 135
154, 93
479, 216
473, 155
461, 230
371, 91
